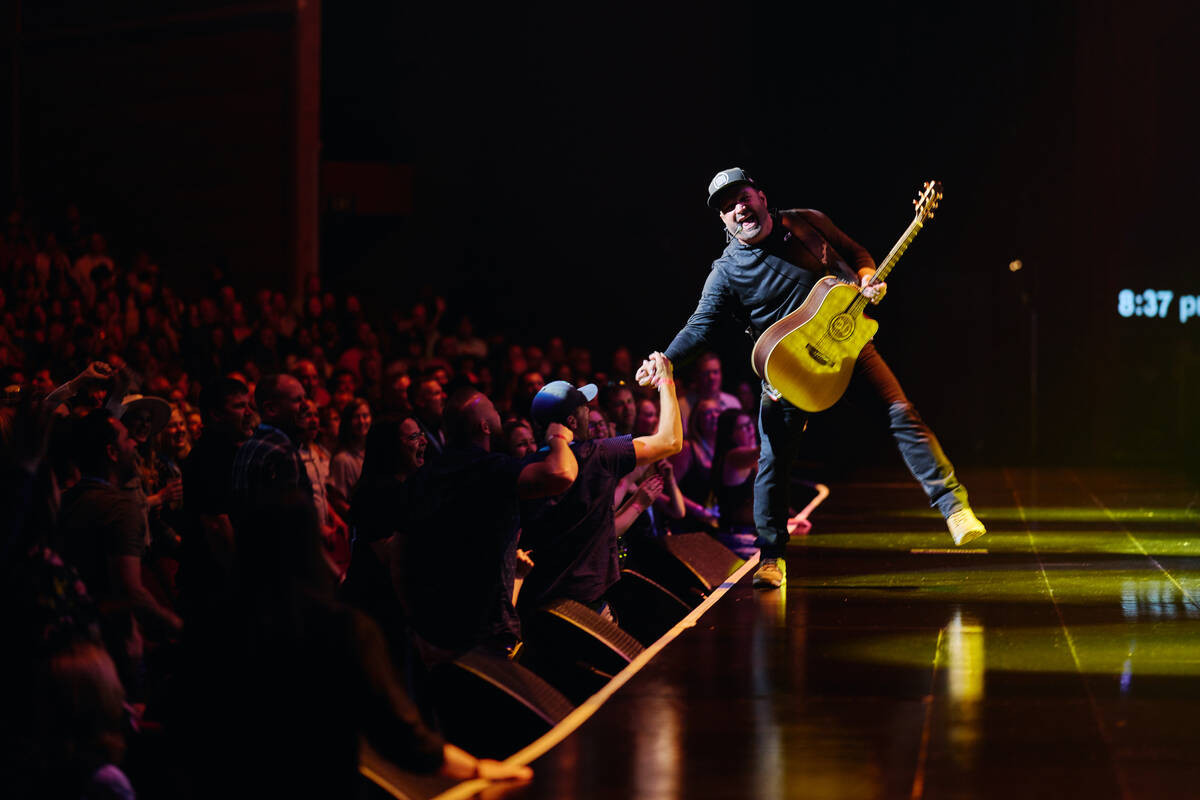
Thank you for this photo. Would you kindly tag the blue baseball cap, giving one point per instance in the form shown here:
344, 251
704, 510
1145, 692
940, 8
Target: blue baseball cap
558, 400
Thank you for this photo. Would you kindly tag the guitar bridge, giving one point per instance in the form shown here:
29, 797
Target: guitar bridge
817, 356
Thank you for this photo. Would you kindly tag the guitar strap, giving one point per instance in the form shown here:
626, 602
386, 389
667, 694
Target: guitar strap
816, 244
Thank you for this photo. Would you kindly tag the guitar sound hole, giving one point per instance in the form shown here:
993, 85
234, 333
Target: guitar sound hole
817, 355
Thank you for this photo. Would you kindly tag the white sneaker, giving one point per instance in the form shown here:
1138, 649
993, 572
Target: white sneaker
771, 574
965, 526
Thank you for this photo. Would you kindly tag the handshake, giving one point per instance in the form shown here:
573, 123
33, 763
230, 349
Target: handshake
655, 371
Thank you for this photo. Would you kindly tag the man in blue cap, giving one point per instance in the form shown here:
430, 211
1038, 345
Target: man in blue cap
770, 263
572, 537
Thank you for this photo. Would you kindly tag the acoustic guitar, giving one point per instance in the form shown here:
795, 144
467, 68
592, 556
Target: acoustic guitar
808, 356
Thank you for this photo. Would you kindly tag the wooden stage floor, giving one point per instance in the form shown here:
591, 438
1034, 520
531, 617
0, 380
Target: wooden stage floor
1059, 656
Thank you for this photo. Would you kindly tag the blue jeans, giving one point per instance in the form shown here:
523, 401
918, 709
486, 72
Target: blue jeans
780, 425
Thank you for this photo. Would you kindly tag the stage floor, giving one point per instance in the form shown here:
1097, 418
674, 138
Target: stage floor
1059, 656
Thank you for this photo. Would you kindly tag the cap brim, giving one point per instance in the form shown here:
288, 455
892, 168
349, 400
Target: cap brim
589, 391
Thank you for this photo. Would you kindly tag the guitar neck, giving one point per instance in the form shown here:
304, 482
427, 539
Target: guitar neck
898, 249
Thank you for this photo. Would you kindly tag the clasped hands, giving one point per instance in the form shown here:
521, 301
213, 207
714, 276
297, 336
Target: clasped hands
655, 370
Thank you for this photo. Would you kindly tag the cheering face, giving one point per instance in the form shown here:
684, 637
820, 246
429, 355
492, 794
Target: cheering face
521, 442
745, 214
177, 432
412, 445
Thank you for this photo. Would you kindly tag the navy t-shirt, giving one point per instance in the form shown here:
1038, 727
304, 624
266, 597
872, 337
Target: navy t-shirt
456, 549
572, 536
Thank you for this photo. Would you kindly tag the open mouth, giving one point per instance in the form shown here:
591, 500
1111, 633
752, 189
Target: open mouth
746, 222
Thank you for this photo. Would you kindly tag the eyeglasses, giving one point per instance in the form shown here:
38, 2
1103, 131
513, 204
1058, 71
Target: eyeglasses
413, 437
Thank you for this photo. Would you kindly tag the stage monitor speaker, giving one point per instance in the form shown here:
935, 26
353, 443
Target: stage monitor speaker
644, 608
491, 706
688, 565
574, 648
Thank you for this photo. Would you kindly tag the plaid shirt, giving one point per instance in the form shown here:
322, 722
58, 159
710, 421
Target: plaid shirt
268, 461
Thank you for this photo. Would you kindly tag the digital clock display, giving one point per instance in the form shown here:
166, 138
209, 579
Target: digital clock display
1156, 303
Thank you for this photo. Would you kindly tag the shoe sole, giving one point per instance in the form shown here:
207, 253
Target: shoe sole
970, 536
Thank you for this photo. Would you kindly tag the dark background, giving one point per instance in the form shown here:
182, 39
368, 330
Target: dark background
558, 155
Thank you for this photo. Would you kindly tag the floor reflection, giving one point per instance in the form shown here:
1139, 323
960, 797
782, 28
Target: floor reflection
964, 666
658, 748
1155, 599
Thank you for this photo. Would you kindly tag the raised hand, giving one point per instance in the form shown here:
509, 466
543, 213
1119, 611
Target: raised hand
645, 373
648, 491
555, 429
524, 563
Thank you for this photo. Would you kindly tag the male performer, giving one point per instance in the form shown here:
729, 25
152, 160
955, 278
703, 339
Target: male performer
769, 265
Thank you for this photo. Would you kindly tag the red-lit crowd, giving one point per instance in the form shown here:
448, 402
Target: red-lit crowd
234, 525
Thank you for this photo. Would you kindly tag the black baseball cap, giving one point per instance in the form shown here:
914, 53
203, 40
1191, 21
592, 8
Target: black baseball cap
558, 400
727, 179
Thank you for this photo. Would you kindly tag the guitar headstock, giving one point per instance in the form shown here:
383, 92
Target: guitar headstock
927, 201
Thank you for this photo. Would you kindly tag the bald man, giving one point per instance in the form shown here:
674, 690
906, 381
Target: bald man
458, 522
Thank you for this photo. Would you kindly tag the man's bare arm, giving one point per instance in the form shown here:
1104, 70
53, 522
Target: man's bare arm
553, 475
668, 439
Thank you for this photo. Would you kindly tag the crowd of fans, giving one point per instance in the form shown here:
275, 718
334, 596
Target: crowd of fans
218, 505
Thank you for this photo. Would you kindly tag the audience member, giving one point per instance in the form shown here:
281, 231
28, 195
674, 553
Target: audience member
693, 465
270, 460
573, 536
735, 464
461, 512
330, 420
706, 385
80, 733
347, 461
280, 691
306, 372
334, 532
618, 403
428, 400
207, 560
518, 438
102, 530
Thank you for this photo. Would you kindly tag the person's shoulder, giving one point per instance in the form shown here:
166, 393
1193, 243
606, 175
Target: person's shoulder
792, 217
801, 213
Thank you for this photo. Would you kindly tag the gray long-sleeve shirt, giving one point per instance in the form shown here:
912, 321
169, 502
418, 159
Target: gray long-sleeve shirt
760, 284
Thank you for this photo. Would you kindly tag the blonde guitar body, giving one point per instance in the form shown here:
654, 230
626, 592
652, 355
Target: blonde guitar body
808, 356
